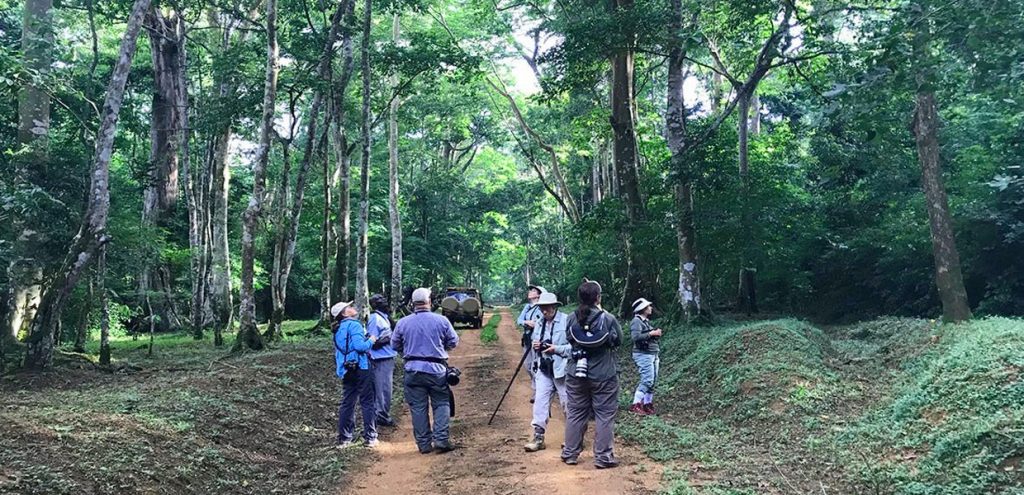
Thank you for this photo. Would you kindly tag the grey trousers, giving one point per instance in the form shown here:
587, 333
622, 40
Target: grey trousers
423, 390
585, 397
383, 377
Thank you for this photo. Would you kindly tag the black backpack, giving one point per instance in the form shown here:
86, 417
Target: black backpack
591, 334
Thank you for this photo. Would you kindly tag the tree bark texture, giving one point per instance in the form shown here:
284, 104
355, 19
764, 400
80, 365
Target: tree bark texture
92, 235
342, 172
948, 275
675, 136
248, 335
166, 40
394, 215
746, 300
25, 272
623, 123
361, 295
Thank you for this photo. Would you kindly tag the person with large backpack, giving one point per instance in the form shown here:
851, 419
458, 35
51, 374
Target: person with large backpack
382, 358
351, 355
645, 354
592, 382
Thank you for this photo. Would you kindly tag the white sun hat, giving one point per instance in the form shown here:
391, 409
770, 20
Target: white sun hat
338, 308
640, 305
547, 299
421, 295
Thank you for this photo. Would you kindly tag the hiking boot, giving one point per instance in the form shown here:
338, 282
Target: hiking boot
639, 409
572, 460
649, 408
426, 449
536, 444
372, 443
390, 423
609, 463
443, 447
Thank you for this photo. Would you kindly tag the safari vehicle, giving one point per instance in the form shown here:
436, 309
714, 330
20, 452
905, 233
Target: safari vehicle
463, 305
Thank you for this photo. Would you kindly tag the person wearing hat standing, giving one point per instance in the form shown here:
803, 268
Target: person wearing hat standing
351, 356
527, 320
382, 358
645, 355
424, 339
550, 349
596, 392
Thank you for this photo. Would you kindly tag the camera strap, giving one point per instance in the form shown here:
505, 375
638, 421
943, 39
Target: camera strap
429, 359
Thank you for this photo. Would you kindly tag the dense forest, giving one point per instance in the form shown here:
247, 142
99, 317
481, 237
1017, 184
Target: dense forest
193, 166
217, 168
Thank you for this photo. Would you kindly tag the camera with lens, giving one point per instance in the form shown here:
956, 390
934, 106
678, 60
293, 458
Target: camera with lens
351, 365
582, 367
545, 363
453, 376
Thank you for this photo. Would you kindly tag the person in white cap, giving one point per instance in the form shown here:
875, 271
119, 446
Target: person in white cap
551, 348
351, 356
527, 320
645, 355
424, 339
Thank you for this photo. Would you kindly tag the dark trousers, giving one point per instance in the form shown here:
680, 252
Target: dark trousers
357, 385
586, 397
383, 376
423, 391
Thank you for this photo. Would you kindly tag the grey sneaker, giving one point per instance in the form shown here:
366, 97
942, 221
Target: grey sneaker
345, 444
571, 460
372, 443
609, 463
536, 444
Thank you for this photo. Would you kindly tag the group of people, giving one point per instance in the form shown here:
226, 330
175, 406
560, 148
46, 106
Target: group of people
568, 355
365, 359
572, 356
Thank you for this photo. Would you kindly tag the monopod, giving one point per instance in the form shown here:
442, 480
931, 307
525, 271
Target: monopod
509, 387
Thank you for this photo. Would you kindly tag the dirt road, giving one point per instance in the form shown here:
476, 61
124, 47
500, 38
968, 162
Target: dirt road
491, 459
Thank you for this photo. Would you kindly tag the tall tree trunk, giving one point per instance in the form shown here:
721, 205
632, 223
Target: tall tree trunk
25, 272
219, 272
82, 331
623, 122
101, 273
395, 296
196, 202
93, 233
343, 234
675, 136
288, 234
326, 243
364, 176
948, 275
161, 192
746, 300
248, 335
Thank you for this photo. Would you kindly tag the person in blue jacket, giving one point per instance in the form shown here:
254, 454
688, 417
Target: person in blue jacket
351, 355
382, 358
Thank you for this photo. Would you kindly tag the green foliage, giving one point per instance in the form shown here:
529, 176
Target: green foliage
489, 333
954, 423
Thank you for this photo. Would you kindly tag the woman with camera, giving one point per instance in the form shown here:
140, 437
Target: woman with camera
551, 348
351, 354
592, 387
645, 355
382, 358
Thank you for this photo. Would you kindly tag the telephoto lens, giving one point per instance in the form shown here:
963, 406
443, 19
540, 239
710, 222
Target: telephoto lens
581, 368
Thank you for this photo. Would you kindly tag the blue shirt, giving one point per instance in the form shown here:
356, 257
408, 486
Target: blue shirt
424, 334
351, 338
530, 312
555, 332
379, 326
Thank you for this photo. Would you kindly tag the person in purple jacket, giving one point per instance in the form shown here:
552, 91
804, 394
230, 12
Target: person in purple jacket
351, 356
424, 339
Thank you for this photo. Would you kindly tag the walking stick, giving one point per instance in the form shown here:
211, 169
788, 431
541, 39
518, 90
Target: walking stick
510, 382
